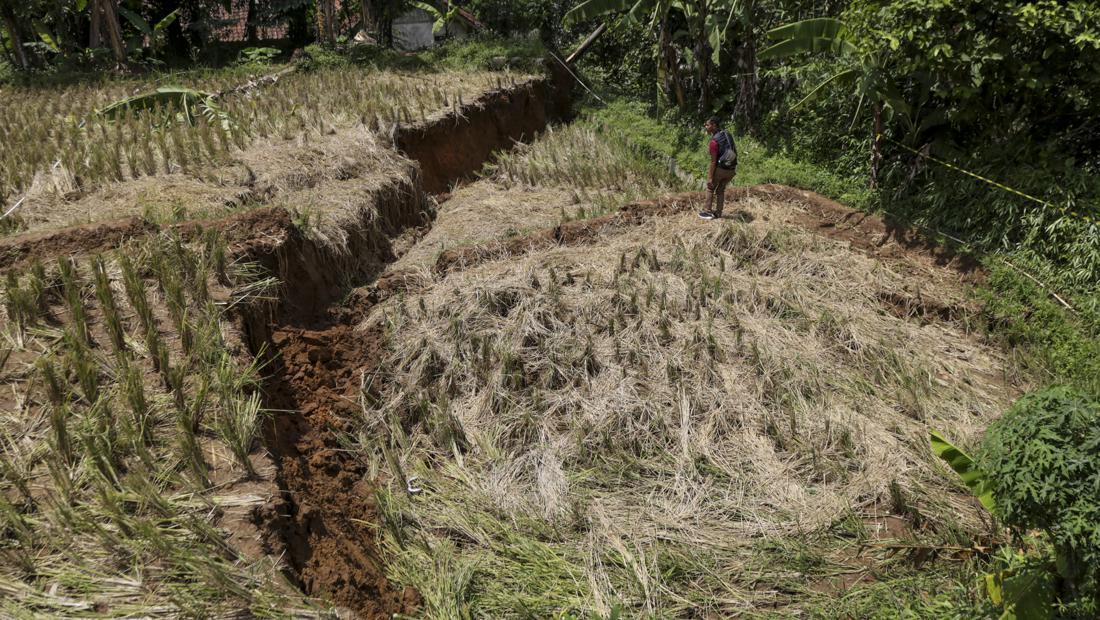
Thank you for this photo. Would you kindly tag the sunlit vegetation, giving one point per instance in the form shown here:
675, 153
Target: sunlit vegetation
128, 427
57, 134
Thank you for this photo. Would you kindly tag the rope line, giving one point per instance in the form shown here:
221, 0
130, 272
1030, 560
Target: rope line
1064, 210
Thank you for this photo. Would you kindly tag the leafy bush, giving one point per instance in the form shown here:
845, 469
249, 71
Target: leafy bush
1042, 460
477, 53
321, 57
7, 72
508, 17
258, 55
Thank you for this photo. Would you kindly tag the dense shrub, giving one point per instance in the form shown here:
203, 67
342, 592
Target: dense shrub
1043, 462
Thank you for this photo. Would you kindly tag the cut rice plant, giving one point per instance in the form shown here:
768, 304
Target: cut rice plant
238, 424
637, 415
88, 134
107, 303
105, 458
19, 302
601, 168
73, 293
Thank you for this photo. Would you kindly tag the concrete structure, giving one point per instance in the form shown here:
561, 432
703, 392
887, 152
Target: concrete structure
413, 30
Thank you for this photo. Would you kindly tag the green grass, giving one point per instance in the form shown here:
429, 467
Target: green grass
1055, 344
1052, 344
676, 139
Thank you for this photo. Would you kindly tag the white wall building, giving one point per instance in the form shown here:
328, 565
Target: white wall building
413, 30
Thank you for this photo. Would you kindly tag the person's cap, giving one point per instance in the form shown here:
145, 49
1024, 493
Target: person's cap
715, 120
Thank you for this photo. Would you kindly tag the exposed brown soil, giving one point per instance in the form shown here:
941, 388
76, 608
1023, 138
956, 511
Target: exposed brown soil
924, 309
882, 237
329, 533
869, 233
453, 147
244, 229
570, 233
19, 251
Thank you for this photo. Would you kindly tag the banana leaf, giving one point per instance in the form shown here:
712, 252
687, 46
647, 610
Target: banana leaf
844, 76
809, 36
816, 28
186, 100
591, 9
974, 478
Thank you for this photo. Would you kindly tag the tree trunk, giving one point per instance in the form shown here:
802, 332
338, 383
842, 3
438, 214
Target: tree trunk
16, 41
673, 85
113, 29
876, 146
746, 110
575, 56
95, 34
702, 58
250, 23
367, 25
325, 22
298, 28
385, 30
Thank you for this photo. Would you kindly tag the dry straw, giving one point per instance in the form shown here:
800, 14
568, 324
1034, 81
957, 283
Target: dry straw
109, 449
54, 141
621, 422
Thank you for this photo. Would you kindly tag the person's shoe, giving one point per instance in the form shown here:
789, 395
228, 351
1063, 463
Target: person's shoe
706, 215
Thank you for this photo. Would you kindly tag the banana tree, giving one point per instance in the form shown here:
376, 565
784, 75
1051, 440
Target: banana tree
707, 24
105, 16
864, 71
442, 17
14, 37
155, 34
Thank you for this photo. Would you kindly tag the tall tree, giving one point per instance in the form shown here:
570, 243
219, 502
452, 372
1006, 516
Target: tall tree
326, 22
251, 22
111, 28
11, 24
746, 111
691, 31
366, 17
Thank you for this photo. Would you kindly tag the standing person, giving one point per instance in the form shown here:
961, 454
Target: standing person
723, 166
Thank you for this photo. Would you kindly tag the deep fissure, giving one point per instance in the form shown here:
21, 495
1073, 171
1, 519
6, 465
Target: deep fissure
314, 355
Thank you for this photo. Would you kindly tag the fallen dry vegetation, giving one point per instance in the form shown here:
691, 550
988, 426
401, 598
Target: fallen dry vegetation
131, 484
655, 419
59, 150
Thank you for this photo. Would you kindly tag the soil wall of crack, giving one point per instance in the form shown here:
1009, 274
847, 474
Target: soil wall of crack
315, 355
456, 146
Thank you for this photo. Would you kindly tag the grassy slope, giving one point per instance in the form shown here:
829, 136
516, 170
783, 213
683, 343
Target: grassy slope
476, 541
1059, 345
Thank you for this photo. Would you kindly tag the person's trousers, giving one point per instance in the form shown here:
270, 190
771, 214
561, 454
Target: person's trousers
717, 196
